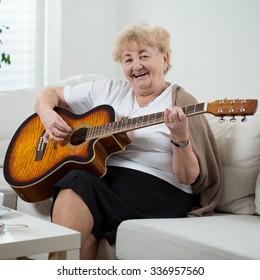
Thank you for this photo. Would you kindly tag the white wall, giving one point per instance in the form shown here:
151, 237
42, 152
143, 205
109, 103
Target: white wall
215, 43
86, 33
79, 38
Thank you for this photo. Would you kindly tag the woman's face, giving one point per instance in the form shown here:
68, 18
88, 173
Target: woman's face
144, 67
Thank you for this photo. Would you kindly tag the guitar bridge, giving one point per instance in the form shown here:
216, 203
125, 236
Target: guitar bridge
41, 146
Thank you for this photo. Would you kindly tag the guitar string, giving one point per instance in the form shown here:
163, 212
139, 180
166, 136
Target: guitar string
93, 132
103, 130
107, 129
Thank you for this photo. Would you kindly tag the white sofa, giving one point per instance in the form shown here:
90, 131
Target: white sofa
232, 233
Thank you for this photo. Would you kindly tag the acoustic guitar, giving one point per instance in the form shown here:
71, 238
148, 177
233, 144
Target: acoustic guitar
32, 167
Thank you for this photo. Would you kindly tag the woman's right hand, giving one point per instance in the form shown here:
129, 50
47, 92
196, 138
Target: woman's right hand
56, 128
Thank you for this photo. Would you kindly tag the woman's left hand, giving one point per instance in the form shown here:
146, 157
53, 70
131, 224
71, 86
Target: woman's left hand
185, 164
177, 122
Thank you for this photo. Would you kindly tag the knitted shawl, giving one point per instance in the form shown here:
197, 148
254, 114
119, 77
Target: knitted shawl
208, 185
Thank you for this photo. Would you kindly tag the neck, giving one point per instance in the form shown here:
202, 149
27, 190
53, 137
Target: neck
144, 97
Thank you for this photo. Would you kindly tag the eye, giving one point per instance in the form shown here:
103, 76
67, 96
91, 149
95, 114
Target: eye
144, 57
128, 61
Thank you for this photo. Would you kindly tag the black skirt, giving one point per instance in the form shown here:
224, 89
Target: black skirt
124, 194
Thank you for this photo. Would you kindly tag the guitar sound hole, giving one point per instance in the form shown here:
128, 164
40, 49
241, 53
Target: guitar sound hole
78, 136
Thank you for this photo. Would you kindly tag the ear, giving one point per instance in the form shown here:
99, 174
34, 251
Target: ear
166, 58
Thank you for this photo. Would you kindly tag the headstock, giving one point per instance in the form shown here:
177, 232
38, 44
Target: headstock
233, 107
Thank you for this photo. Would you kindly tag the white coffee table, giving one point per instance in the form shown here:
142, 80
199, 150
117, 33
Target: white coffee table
39, 237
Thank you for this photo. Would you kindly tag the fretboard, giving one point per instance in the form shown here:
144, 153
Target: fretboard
128, 124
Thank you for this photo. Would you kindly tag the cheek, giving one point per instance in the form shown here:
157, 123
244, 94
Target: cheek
125, 69
160, 68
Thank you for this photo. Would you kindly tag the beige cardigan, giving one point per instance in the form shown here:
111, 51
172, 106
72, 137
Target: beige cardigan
209, 182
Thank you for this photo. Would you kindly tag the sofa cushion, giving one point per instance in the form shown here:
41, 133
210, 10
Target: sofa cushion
239, 145
220, 236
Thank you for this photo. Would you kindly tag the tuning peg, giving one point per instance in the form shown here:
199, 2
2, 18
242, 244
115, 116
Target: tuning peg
233, 119
221, 119
244, 119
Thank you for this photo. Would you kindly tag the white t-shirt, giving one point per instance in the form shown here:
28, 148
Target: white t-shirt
151, 149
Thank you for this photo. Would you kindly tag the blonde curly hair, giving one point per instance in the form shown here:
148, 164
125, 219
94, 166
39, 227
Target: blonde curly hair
142, 33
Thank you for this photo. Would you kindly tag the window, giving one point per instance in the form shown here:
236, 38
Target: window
24, 41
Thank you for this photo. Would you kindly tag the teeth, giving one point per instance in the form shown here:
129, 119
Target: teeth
138, 75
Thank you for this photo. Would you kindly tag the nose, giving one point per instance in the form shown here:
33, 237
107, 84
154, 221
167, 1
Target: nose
137, 65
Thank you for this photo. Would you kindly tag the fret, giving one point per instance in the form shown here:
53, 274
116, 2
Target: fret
134, 121
110, 126
120, 125
114, 124
146, 119
104, 129
124, 123
200, 107
95, 131
194, 109
129, 123
139, 121
159, 116
152, 118
190, 110
99, 129
117, 126
88, 134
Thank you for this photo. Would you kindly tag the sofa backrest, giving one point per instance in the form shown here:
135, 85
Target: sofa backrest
239, 146
15, 107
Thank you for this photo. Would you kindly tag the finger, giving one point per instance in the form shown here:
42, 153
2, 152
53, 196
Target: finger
57, 127
180, 113
50, 135
173, 116
45, 138
55, 138
63, 126
59, 133
168, 117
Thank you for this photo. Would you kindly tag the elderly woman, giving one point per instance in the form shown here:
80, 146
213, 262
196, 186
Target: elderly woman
170, 169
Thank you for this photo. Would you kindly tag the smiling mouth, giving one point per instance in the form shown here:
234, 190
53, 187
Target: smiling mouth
139, 75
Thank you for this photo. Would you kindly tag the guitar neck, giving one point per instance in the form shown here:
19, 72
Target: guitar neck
127, 124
